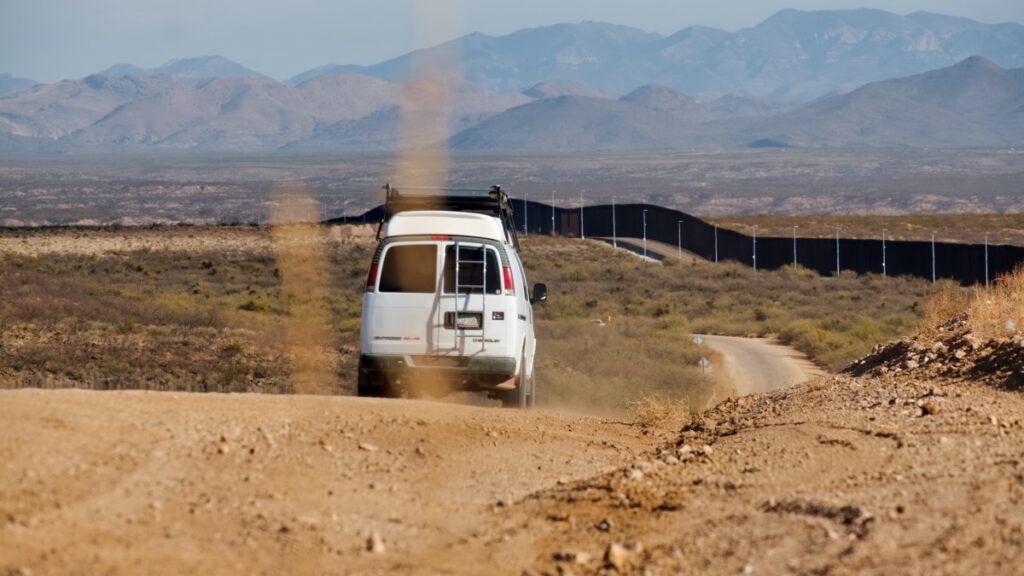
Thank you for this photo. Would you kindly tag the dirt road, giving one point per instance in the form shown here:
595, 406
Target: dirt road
170, 483
839, 476
754, 365
656, 251
836, 476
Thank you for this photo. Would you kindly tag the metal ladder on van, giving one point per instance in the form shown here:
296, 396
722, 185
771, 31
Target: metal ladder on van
483, 292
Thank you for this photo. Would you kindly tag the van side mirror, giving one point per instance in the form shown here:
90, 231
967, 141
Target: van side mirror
540, 293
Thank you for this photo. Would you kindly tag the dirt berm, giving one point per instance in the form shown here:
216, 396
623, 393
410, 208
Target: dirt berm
901, 473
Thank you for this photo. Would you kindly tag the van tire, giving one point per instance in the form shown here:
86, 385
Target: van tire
520, 397
370, 387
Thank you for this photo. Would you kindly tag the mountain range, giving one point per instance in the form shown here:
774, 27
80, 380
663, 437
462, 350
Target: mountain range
973, 103
100, 113
558, 88
200, 67
793, 55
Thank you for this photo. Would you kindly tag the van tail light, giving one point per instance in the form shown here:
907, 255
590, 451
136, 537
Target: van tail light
510, 283
371, 278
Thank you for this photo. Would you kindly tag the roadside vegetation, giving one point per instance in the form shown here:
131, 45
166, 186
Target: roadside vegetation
990, 313
833, 320
960, 228
169, 312
164, 309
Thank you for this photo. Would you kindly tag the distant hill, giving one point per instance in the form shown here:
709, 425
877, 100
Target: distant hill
733, 106
650, 117
559, 89
380, 130
973, 103
793, 55
799, 55
581, 53
199, 67
326, 70
52, 111
11, 84
231, 114
666, 100
574, 123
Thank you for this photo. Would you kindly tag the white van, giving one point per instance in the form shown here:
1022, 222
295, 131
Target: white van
446, 306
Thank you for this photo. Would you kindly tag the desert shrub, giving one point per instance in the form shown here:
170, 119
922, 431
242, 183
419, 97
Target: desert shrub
157, 319
993, 311
833, 319
947, 300
799, 271
350, 325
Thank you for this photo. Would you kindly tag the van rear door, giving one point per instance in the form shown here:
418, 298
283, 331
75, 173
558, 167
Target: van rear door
404, 309
436, 297
471, 286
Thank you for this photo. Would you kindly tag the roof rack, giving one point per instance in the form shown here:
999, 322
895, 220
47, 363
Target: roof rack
492, 202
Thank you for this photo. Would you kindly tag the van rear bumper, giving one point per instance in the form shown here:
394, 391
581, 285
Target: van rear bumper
466, 372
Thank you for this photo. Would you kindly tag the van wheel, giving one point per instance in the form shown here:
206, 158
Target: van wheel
520, 397
373, 386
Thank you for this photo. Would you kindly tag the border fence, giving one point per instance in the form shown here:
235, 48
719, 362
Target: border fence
964, 263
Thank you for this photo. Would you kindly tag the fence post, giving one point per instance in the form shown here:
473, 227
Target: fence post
884, 263
645, 235
933, 257
615, 238
794, 244
583, 234
679, 247
553, 212
526, 215
838, 268
986, 260
716, 244
755, 247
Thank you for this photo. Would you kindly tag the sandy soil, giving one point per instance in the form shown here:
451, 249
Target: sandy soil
838, 476
107, 241
172, 483
100, 242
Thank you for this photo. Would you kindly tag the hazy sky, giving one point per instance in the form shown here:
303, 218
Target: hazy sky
48, 40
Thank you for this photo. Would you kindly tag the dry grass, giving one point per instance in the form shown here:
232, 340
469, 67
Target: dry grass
834, 320
991, 313
947, 300
179, 315
171, 315
998, 311
963, 228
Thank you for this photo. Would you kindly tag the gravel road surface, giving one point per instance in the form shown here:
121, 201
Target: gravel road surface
754, 365
836, 476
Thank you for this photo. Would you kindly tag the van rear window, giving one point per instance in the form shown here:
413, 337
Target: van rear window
471, 270
411, 269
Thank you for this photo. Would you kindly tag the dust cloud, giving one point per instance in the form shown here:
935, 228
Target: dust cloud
301, 256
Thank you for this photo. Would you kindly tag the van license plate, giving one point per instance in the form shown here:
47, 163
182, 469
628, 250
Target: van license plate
465, 320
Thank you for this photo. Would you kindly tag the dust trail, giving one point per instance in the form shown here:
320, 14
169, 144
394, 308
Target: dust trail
299, 246
422, 165
426, 110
